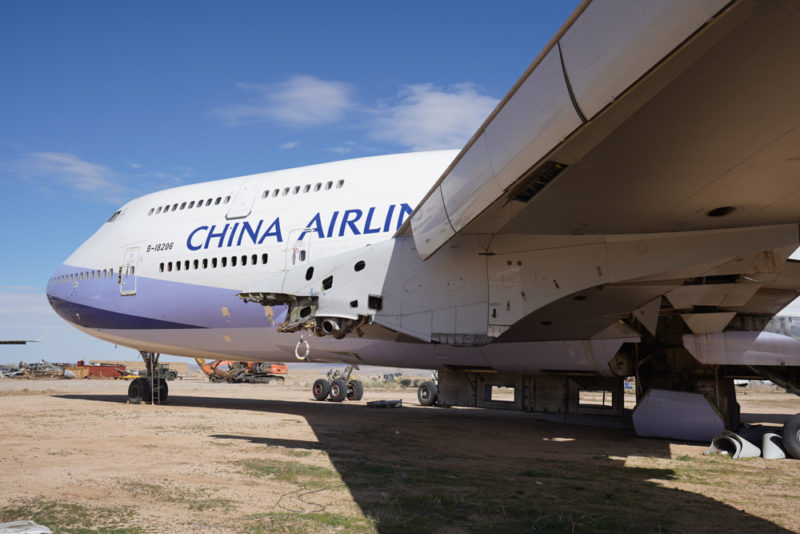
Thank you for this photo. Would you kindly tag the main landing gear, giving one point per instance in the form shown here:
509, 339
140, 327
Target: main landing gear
338, 386
151, 388
428, 391
791, 436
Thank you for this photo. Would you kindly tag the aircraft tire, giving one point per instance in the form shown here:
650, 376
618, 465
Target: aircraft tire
355, 390
136, 391
791, 436
338, 390
163, 390
427, 393
320, 389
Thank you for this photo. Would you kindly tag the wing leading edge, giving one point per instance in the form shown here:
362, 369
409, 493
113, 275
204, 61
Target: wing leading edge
637, 118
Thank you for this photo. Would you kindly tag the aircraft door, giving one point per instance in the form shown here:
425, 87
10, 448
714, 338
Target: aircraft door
126, 276
298, 247
242, 203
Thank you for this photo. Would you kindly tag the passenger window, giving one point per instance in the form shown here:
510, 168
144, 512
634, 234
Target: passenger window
285, 191
263, 258
169, 266
177, 266
151, 211
265, 194
191, 204
227, 199
275, 192
158, 210
214, 263
307, 188
224, 261
186, 265
244, 260
302, 255
296, 189
183, 205
233, 261
196, 265
161, 267
205, 263
317, 186
339, 184
328, 185
209, 201
254, 259
174, 206
216, 202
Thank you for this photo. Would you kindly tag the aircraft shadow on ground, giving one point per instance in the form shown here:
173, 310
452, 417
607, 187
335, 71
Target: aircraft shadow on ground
425, 470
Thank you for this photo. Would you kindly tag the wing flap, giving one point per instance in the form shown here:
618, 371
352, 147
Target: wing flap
601, 51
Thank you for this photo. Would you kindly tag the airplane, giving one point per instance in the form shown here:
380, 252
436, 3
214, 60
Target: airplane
628, 209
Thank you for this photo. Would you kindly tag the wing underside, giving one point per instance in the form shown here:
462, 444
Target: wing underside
639, 117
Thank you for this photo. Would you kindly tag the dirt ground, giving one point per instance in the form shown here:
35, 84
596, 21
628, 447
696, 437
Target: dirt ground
267, 458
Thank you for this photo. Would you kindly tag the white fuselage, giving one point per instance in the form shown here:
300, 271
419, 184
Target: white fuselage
164, 274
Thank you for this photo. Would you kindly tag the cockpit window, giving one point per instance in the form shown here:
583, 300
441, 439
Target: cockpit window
116, 214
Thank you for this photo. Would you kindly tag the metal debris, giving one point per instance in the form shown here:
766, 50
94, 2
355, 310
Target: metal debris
385, 404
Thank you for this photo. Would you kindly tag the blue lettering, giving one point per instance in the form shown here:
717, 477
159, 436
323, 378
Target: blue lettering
388, 220
233, 233
249, 229
189, 239
405, 209
314, 225
347, 222
212, 235
367, 229
273, 230
333, 223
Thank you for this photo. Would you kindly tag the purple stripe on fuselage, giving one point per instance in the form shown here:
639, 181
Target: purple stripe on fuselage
89, 317
171, 304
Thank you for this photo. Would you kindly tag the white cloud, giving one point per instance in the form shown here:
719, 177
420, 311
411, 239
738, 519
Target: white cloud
419, 117
58, 170
299, 101
343, 149
134, 165
424, 117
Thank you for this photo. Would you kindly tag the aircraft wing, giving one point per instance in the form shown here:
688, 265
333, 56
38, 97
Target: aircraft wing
638, 117
646, 164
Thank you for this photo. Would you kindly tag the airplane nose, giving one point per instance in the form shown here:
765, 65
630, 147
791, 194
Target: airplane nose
59, 288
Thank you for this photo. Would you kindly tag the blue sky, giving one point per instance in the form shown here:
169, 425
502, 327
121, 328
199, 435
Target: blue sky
101, 102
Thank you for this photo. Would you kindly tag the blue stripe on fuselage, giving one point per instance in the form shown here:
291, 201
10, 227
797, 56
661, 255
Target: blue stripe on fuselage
90, 317
156, 304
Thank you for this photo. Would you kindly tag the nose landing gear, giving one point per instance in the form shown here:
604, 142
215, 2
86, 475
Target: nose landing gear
151, 388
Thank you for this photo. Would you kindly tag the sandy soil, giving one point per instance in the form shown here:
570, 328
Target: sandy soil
262, 458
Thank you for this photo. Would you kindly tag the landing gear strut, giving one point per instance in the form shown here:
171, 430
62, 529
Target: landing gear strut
338, 386
151, 388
